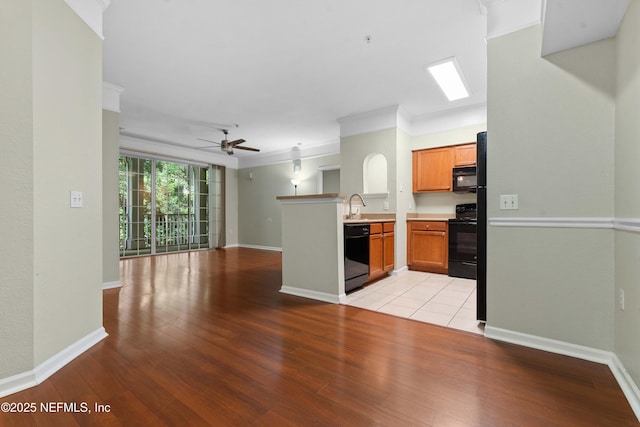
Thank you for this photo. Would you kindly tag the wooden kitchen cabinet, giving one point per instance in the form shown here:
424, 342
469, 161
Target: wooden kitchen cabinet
432, 170
464, 155
381, 249
388, 246
427, 246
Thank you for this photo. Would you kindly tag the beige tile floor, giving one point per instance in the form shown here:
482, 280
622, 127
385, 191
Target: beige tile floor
426, 297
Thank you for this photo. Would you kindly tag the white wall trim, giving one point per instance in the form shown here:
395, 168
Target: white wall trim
400, 271
90, 11
627, 224
282, 156
16, 383
550, 222
628, 386
550, 345
370, 121
111, 97
111, 285
320, 296
264, 248
159, 147
508, 16
50, 366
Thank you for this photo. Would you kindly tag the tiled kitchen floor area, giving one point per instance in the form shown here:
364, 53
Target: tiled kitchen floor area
426, 297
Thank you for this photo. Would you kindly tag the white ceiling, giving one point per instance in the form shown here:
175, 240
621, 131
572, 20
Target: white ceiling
284, 70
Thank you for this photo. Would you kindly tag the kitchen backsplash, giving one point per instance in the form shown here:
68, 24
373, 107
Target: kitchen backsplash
441, 202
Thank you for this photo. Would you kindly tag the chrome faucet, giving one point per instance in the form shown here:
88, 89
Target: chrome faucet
351, 198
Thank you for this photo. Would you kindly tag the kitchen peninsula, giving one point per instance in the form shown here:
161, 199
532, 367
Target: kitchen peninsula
312, 246
313, 259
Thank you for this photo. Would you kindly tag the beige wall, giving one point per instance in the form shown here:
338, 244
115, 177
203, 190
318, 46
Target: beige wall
231, 207
110, 203
627, 188
51, 275
551, 140
259, 213
353, 152
16, 181
67, 142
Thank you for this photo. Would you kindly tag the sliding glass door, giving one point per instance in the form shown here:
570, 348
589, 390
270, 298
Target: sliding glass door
169, 207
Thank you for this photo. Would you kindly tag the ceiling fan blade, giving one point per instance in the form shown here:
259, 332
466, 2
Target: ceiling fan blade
236, 142
207, 140
247, 148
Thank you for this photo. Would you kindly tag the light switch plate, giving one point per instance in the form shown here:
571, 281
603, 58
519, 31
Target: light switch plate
508, 201
76, 199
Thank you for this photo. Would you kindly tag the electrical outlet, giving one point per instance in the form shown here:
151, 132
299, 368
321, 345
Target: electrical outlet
621, 299
386, 205
76, 199
508, 201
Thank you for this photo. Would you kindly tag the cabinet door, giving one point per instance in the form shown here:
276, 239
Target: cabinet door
375, 255
465, 155
429, 250
389, 252
427, 246
432, 170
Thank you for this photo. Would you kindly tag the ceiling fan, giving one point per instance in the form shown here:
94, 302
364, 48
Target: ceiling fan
228, 146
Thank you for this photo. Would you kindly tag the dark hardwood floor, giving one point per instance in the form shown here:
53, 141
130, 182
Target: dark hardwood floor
206, 339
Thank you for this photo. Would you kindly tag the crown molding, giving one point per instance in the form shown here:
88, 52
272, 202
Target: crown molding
442, 121
371, 121
163, 148
289, 155
111, 97
508, 16
90, 11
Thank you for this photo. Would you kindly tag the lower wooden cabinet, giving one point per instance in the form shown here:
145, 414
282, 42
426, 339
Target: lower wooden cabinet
427, 246
381, 249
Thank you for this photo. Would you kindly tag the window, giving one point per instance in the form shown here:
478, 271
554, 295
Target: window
169, 207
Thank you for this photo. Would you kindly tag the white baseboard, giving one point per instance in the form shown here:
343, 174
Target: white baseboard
546, 344
626, 383
399, 271
307, 293
628, 386
264, 248
50, 366
16, 383
111, 285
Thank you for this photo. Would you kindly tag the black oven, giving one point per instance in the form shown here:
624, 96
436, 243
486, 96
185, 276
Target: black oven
463, 242
465, 179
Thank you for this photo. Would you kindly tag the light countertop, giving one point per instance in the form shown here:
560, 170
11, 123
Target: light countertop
365, 218
429, 217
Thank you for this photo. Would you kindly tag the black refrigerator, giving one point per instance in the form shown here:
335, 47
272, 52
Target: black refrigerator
481, 280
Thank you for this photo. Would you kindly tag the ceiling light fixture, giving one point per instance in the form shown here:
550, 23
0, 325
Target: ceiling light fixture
449, 77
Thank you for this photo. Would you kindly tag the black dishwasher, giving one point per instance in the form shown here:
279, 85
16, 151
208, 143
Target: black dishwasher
356, 255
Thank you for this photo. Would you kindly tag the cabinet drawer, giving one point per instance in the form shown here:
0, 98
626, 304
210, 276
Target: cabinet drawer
375, 228
428, 226
388, 227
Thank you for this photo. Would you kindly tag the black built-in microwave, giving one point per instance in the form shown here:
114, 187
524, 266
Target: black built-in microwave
465, 179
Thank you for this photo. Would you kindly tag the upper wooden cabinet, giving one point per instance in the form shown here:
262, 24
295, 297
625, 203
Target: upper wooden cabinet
432, 167
432, 170
464, 155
